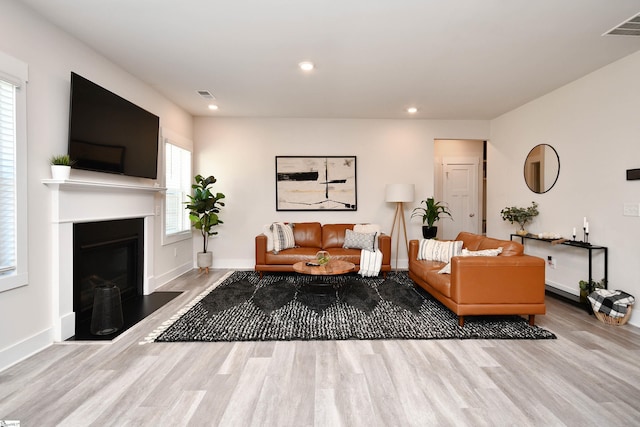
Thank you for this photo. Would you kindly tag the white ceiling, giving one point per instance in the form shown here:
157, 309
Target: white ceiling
453, 59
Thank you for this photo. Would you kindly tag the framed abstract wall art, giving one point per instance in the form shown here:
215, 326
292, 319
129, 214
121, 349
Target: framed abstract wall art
316, 183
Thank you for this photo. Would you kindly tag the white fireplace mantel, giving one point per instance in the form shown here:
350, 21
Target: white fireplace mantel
74, 201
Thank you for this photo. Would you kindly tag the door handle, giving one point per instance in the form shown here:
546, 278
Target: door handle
471, 215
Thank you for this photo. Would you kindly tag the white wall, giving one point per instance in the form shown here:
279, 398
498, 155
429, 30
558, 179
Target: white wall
51, 55
240, 153
593, 123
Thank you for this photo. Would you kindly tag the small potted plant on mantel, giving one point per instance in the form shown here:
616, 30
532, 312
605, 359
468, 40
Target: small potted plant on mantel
521, 216
61, 167
204, 207
430, 215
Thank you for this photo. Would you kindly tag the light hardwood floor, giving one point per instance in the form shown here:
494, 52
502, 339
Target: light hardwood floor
590, 375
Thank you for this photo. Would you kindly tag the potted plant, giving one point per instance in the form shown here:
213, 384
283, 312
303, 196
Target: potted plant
430, 215
60, 167
204, 207
520, 215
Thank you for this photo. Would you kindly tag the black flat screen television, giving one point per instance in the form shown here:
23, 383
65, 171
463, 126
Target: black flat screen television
109, 134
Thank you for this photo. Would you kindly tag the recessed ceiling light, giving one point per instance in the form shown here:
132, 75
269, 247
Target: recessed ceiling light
306, 66
412, 110
213, 107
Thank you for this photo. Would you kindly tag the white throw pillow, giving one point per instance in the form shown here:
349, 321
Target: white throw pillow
266, 230
282, 236
466, 252
353, 240
369, 228
436, 250
483, 252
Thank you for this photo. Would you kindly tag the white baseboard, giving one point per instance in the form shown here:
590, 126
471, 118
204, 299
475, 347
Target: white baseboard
569, 289
172, 274
237, 264
20, 351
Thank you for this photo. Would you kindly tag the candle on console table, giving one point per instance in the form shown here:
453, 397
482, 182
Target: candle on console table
574, 232
584, 222
586, 227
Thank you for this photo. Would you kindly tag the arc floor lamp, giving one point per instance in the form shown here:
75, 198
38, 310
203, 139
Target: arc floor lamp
399, 194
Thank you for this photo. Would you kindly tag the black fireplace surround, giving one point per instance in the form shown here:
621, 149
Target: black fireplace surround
111, 252
106, 251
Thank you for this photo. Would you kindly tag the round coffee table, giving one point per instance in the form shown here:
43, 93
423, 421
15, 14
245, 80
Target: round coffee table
331, 268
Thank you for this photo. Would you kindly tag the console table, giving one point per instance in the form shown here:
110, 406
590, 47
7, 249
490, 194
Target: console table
589, 247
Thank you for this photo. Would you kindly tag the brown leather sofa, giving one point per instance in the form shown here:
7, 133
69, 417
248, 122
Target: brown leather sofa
511, 283
310, 238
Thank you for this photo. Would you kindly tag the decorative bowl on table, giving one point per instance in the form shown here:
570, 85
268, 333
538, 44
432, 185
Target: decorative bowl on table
322, 257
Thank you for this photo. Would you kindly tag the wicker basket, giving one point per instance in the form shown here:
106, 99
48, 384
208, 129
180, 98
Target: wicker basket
616, 321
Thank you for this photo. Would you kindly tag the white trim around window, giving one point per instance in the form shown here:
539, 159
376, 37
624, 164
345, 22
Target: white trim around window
16, 74
184, 169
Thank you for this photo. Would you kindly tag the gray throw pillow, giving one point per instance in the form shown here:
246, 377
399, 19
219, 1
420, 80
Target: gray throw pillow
353, 240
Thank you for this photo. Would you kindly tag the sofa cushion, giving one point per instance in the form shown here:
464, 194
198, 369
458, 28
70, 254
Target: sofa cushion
308, 234
476, 242
333, 235
440, 282
291, 256
282, 236
471, 241
436, 250
353, 240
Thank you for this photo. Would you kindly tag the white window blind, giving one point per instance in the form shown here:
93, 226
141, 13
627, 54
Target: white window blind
7, 177
14, 75
178, 183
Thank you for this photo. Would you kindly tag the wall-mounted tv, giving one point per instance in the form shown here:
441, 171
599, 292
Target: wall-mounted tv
109, 134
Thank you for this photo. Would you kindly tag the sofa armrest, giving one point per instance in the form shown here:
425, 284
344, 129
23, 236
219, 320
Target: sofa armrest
414, 245
506, 279
261, 249
384, 244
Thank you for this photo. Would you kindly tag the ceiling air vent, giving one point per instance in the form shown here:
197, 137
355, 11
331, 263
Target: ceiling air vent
630, 27
205, 94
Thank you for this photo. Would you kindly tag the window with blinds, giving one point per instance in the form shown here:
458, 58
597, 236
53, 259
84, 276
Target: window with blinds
13, 173
178, 183
7, 177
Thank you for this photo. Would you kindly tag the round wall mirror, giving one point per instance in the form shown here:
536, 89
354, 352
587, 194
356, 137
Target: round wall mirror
541, 168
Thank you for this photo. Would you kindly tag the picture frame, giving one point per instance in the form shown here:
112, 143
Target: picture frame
316, 183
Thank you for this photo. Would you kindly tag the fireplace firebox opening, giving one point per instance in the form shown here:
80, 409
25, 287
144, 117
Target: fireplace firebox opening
106, 252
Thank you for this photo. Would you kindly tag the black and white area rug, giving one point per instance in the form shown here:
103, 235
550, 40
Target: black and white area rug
290, 306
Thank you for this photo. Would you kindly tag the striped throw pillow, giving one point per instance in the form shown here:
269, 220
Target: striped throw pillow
282, 236
436, 250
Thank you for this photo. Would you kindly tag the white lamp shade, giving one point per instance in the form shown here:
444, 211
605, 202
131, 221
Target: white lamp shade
399, 192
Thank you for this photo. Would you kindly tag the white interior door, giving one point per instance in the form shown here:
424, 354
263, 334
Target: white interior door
460, 185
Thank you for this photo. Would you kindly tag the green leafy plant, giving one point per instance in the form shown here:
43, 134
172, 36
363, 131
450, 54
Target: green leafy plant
204, 207
521, 216
591, 286
61, 160
431, 212
586, 287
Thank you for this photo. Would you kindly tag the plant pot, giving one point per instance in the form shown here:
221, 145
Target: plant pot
429, 232
60, 172
204, 260
522, 232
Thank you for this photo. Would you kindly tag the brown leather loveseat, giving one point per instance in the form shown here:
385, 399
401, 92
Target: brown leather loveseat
311, 237
511, 283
